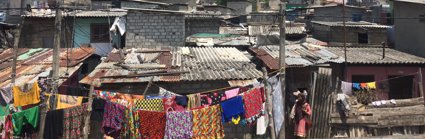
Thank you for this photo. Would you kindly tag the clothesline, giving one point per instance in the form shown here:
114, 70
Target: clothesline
391, 78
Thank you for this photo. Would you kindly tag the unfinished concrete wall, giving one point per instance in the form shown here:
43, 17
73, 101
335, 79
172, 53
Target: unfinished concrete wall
335, 34
194, 26
155, 29
241, 7
330, 13
132, 4
39, 33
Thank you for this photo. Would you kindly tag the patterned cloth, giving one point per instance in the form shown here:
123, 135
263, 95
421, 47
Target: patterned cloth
207, 123
113, 118
74, 122
253, 103
194, 101
232, 108
132, 125
149, 104
179, 125
276, 88
152, 124
212, 98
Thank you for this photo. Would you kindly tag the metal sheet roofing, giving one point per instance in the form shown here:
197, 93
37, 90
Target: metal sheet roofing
297, 55
412, 1
97, 13
361, 24
34, 63
291, 29
194, 64
367, 55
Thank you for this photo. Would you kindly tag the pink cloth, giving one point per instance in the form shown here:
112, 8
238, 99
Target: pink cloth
232, 93
300, 129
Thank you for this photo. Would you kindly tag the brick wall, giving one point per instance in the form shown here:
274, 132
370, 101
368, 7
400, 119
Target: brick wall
159, 29
194, 26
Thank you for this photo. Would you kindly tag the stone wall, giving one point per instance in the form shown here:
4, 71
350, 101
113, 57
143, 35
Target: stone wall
194, 26
155, 29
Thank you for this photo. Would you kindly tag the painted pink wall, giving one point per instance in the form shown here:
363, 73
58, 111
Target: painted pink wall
382, 73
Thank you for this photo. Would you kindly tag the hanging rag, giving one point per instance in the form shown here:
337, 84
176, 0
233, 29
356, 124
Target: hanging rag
169, 103
363, 85
65, 101
346, 88
231, 93
74, 121
371, 85
212, 98
22, 98
261, 125
6, 95
253, 104
232, 108
29, 116
149, 104
194, 101
356, 86
207, 123
53, 128
276, 89
6, 127
152, 124
179, 125
113, 118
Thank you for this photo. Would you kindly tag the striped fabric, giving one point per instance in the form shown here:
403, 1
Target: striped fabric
207, 123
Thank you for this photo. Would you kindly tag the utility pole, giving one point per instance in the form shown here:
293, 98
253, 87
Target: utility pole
345, 38
15, 50
282, 63
55, 67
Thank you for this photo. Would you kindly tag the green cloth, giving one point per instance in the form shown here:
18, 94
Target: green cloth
28, 116
4, 110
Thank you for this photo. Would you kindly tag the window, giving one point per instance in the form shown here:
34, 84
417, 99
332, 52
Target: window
99, 33
401, 87
362, 78
363, 38
422, 18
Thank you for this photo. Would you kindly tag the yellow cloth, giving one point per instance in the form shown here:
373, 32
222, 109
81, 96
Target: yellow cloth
371, 85
65, 101
236, 121
21, 98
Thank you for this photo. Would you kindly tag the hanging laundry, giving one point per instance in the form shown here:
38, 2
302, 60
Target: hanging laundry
133, 123
232, 93
346, 88
232, 108
207, 123
371, 85
356, 86
6, 127
169, 103
4, 110
6, 95
179, 125
276, 90
261, 125
194, 101
74, 122
152, 124
253, 104
65, 101
29, 116
212, 98
363, 85
21, 98
53, 127
149, 104
113, 118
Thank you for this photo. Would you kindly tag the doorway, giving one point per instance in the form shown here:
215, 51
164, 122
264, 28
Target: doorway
363, 38
400, 87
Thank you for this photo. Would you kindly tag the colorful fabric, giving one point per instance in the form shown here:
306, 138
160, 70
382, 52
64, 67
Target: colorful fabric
169, 103
65, 101
21, 98
231, 93
232, 108
207, 123
179, 125
113, 118
7, 127
371, 85
149, 104
194, 101
74, 122
2, 125
253, 103
346, 88
356, 86
123, 99
131, 127
29, 116
6, 94
363, 85
152, 124
212, 98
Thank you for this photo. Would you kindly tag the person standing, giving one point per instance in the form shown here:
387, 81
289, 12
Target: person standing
300, 115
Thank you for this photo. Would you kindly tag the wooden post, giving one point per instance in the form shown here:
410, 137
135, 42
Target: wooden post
421, 84
269, 105
282, 63
88, 114
56, 53
15, 50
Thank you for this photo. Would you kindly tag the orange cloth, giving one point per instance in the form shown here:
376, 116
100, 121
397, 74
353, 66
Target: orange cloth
65, 101
363, 85
21, 98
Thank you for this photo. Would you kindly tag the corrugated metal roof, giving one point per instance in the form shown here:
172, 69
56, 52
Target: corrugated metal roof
97, 13
304, 54
202, 64
291, 29
361, 24
367, 55
412, 1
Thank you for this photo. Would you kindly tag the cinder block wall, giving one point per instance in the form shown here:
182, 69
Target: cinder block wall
194, 26
154, 29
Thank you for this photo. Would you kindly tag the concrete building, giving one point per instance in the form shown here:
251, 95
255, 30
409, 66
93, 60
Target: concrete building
202, 23
331, 13
155, 28
409, 33
242, 7
356, 32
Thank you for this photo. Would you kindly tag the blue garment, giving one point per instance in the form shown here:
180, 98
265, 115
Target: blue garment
232, 108
356, 86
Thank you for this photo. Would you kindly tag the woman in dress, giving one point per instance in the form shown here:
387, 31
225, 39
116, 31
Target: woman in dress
300, 115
